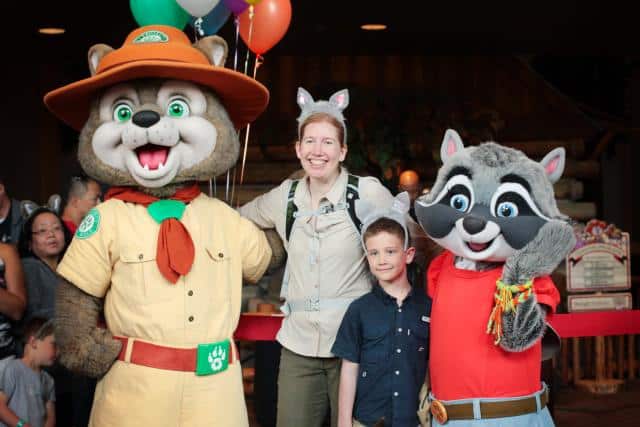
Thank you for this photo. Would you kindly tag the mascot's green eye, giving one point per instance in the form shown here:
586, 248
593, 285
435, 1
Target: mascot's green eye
178, 108
122, 113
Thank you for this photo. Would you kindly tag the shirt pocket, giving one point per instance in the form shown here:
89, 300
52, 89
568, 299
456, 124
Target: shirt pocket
337, 222
141, 277
219, 274
376, 342
419, 327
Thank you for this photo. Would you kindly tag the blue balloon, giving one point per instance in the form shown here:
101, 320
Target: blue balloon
211, 22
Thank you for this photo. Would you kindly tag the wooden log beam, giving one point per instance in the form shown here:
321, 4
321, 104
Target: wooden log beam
570, 189
577, 375
581, 211
621, 361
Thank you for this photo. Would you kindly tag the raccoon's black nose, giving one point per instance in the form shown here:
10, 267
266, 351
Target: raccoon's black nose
146, 118
473, 224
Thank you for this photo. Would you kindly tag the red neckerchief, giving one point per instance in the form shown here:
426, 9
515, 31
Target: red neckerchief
175, 251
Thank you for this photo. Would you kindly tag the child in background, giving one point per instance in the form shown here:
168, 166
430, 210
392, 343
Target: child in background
383, 337
27, 392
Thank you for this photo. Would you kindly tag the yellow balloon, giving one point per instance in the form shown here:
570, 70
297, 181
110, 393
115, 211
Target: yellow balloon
252, 2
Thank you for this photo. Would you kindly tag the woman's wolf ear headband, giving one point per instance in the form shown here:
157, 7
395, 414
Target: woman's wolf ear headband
368, 213
333, 107
54, 204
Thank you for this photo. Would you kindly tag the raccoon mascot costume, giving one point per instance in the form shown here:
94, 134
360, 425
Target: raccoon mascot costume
161, 260
493, 211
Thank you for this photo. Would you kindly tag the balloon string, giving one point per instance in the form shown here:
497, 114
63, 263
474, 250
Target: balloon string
248, 128
246, 60
236, 21
226, 191
197, 26
230, 172
257, 64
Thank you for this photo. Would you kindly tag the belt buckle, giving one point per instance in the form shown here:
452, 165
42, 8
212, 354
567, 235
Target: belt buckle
438, 411
312, 304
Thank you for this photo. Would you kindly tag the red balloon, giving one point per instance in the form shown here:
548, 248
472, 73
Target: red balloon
271, 20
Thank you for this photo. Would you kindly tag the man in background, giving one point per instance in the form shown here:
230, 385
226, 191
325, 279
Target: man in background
84, 194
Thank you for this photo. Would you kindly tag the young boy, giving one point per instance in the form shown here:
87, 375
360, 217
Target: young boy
383, 337
27, 393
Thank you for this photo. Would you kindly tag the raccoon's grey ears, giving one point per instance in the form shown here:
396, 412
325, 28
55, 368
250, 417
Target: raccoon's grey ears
55, 203
553, 164
214, 48
451, 144
304, 99
340, 99
95, 55
27, 207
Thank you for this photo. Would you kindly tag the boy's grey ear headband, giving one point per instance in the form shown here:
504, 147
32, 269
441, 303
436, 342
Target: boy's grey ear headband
333, 107
368, 214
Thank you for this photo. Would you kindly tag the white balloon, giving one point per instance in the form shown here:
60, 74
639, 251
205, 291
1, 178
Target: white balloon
198, 8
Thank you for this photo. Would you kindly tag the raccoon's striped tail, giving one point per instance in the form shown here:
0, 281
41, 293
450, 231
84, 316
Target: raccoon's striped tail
506, 302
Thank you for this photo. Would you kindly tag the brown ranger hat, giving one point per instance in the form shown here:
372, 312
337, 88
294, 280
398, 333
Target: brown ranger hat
159, 51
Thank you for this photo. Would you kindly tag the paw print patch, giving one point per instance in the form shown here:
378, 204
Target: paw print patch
213, 358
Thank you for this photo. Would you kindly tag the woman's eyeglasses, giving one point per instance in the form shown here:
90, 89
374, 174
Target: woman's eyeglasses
44, 231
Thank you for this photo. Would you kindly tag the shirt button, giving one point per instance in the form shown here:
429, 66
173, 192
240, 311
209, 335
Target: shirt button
398, 351
399, 310
190, 318
399, 329
140, 256
395, 394
190, 293
397, 372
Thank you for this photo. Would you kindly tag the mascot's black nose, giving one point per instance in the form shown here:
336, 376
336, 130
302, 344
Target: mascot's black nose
473, 224
146, 118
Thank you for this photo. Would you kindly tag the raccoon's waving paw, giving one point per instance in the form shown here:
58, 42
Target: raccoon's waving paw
520, 330
541, 255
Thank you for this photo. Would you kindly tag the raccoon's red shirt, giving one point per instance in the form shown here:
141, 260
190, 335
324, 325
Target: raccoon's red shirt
464, 362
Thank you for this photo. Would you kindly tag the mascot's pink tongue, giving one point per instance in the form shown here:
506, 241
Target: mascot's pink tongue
477, 246
153, 157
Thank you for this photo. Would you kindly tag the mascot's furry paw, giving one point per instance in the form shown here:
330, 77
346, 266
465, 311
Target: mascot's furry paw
278, 254
520, 330
542, 255
84, 347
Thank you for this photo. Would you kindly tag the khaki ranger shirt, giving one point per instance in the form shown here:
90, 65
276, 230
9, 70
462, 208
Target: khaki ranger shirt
116, 260
326, 264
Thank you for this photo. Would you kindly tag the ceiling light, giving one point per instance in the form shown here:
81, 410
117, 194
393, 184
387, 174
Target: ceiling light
51, 30
373, 27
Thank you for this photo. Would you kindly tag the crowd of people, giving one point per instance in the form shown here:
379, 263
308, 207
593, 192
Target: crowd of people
33, 240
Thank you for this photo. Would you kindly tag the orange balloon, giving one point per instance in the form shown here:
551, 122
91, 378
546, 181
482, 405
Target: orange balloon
271, 20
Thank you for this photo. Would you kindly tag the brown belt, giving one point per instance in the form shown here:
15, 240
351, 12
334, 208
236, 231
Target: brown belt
163, 357
499, 409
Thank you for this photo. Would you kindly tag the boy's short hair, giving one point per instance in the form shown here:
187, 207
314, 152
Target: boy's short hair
397, 213
38, 328
381, 225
